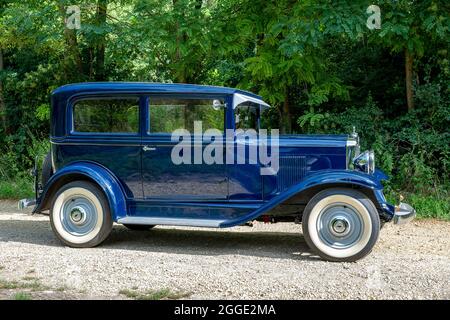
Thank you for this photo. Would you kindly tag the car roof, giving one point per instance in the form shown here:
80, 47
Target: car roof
144, 87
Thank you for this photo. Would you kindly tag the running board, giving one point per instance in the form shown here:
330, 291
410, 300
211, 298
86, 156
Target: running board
209, 223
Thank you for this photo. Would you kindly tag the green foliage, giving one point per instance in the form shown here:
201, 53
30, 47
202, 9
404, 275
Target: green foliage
311, 118
22, 296
18, 188
412, 24
436, 205
315, 61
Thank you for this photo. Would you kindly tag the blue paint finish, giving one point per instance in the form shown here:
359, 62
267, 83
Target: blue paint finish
161, 178
102, 176
323, 177
120, 155
147, 184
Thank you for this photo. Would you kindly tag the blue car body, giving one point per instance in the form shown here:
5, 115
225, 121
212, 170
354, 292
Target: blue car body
145, 187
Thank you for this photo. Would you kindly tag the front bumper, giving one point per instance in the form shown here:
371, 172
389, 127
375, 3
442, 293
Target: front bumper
404, 213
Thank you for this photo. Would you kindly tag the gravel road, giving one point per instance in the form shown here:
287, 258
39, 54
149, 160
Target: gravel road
263, 262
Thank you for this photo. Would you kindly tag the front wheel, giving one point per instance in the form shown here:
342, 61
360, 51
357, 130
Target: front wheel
341, 225
80, 215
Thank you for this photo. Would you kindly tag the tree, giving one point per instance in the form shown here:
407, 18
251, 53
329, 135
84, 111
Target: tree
101, 14
408, 27
4, 124
73, 56
2, 102
182, 36
290, 55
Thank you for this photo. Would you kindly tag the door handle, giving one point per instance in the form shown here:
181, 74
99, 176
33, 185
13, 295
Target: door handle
147, 148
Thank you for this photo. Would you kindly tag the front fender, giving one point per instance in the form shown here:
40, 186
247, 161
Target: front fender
326, 177
104, 178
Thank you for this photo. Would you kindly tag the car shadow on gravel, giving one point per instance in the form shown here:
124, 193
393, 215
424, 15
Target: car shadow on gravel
282, 245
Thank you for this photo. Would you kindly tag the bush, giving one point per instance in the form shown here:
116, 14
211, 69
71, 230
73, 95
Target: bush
15, 179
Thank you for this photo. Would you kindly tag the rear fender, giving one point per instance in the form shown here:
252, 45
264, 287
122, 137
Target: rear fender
90, 171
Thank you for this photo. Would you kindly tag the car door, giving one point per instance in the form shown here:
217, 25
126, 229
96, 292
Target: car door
164, 177
105, 129
245, 180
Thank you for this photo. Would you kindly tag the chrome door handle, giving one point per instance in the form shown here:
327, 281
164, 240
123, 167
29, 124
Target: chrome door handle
147, 148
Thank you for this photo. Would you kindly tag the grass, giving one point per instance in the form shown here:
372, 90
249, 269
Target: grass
25, 287
33, 285
153, 294
430, 206
9, 284
16, 189
22, 296
61, 289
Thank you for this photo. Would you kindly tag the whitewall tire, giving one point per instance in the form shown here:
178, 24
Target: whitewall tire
341, 224
80, 215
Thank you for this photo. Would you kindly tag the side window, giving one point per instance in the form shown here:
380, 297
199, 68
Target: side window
167, 115
109, 115
246, 116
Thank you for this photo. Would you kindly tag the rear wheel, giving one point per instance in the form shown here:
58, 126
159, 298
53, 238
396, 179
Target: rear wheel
80, 215
139, 227
341, 224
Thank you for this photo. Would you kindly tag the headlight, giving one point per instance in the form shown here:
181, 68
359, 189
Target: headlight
365, 162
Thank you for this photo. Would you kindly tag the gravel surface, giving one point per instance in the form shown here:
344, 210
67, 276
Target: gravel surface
268, 261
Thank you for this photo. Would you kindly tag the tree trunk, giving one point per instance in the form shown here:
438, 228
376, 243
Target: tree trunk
286, 125
70, 37
409, 59
100, 75
4, 125
91, 52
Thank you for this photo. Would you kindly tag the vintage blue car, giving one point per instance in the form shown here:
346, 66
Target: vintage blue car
115, 158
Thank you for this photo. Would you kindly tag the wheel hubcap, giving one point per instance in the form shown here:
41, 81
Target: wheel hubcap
78, 215
340, 226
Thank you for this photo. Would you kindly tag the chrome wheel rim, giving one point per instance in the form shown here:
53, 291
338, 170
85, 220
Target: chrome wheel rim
78, 215
340, 226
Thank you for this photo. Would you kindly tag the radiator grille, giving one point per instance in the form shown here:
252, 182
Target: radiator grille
292, 170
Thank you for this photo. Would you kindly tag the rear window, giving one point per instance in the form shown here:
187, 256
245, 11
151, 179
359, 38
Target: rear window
108, 115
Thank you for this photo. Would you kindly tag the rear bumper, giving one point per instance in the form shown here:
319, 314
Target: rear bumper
404, 213
25, 203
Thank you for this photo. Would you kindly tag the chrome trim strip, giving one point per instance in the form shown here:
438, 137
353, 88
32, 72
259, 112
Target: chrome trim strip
239, 98
117, 144
209, 223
